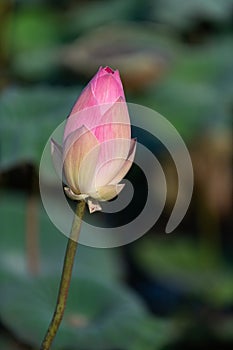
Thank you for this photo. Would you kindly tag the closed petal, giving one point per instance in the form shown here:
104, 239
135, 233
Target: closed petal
113, 154
107, 89
118, 79
56, 153
87, 170
73, 195
107, 193
104, 88
99, 74
118, 113
127, 164
103, 71
76, 148
85, 100
115, 123
85, 112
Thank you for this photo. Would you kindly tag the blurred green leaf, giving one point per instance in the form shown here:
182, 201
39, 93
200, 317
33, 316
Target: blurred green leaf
94, 14
31, 27
197, 91
223, 329
99, 315
181, 13
140, 61
101, 263
187, 107
7, 344
206, 64
221, 292
180, 262
96, 313
36, 65
30, 40
28, 117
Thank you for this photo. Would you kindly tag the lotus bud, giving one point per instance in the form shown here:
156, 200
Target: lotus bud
97, 150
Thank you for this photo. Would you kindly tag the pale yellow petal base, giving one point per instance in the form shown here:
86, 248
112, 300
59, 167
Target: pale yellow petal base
93, 204
104, 193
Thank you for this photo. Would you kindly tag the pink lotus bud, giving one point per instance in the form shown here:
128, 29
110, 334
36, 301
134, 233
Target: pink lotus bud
97, 147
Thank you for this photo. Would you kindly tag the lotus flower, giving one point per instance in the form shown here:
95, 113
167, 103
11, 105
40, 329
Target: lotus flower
97, 149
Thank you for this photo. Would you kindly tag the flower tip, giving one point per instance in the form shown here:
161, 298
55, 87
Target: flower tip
109, 70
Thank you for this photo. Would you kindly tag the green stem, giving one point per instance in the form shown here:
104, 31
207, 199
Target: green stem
65, 279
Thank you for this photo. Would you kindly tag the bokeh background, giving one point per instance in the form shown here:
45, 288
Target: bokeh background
162, 292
